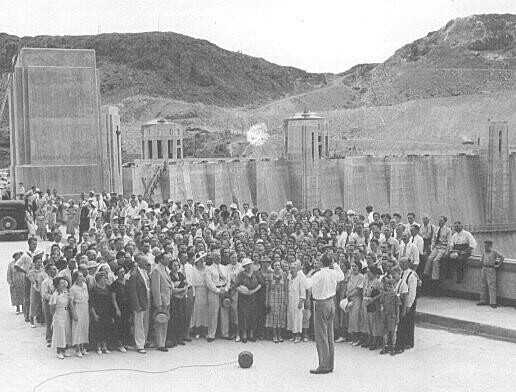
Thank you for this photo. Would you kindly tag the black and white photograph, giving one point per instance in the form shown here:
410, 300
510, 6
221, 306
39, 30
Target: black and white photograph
255, 196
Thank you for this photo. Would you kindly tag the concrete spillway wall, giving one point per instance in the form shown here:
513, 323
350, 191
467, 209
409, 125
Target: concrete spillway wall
439, 184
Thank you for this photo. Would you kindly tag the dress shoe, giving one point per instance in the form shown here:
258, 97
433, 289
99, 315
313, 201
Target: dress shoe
481, 304
244, 340
494, 306
164, 349
254, 339
398, 351
385, 350
209, 340
181, 343
187, 340
320, 371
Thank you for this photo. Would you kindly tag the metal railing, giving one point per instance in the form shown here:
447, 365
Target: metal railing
491, 227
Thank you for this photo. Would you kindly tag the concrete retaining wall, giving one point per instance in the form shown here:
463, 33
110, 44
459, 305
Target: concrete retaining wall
470, 287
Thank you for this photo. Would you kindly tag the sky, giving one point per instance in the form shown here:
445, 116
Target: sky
316, 36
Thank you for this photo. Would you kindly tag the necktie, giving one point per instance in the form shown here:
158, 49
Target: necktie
412, 239
438, 236
404, 250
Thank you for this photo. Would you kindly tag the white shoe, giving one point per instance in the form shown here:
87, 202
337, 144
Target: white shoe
237, 339
32, 326
79, 354
67, 355
60, 356
84, 352
122, 349
340, 340
197, 336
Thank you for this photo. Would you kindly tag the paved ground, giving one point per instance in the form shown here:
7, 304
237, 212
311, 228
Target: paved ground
440, 361
503, 316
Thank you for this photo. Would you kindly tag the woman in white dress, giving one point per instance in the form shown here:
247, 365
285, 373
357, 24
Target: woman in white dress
80, 313
61, 326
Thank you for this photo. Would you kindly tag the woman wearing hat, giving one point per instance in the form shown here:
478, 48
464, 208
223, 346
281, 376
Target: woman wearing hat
354, 296
199, 320
247, 283
61, 325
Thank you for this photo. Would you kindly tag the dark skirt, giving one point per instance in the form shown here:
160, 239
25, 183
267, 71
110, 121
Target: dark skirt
247, 311
177, 323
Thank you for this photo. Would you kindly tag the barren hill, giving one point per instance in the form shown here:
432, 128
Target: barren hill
443, 86
174, 66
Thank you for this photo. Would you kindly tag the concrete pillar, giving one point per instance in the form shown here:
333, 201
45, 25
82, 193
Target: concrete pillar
497, 197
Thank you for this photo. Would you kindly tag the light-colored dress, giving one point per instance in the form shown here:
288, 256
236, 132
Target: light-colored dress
200, 308
80, 328
16, 280
355, 281
61, 325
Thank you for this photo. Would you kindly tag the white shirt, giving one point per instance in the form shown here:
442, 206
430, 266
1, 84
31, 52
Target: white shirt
143, 205
216, 275
324, 282
410, 251
410, 278
419, 242
464, 237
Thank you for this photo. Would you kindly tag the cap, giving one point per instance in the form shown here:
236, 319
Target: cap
209, 202
201, 205
351, 212
233, 205
289, 203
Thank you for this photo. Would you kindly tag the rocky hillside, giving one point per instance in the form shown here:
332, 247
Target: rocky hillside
174, 66
468, 63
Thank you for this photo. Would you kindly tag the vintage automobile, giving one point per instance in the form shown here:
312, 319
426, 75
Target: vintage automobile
12, 220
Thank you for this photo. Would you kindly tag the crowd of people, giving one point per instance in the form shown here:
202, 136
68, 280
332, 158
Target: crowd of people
137, 275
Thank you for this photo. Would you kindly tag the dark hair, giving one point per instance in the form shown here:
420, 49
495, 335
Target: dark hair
57, 280
326, 260
75, 275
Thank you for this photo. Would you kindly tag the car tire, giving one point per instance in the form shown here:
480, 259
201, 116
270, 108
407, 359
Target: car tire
8, 223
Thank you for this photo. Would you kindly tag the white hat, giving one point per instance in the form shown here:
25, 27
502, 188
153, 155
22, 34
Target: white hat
201, 206
345, 305
289, 203
209, 202
351, 212
233, 205
246, 261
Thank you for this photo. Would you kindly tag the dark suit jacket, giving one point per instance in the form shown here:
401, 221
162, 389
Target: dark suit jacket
137, 292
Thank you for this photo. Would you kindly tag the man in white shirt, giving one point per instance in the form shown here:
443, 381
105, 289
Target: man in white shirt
324, 287
409, 250
142, 204
405, 333
216, 280
464, 243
